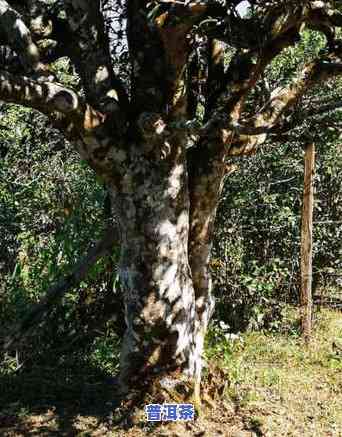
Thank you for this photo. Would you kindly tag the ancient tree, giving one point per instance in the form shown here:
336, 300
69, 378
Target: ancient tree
159, 136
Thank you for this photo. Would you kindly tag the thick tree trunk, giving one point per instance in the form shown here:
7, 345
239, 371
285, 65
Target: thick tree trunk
205, 184
153, 208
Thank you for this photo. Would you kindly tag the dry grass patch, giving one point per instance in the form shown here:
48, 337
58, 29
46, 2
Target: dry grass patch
287, 387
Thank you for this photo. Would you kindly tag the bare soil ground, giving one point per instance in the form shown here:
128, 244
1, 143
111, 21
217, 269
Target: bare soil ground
220, 421
262, 385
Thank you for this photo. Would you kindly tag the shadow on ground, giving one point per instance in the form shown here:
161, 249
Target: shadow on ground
80, 400
57, 400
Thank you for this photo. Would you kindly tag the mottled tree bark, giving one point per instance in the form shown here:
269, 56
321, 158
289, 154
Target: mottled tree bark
153, 209
206, 176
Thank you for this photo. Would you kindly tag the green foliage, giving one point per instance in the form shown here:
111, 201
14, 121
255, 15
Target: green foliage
256, 252
292, 59
257, 247
51, 209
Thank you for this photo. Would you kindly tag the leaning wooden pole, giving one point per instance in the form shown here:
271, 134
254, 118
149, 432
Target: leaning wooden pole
306, 242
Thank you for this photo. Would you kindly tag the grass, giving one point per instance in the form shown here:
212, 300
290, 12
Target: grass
275, 385
287, 388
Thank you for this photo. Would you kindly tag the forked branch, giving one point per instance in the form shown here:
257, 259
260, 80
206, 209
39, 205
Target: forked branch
282, 99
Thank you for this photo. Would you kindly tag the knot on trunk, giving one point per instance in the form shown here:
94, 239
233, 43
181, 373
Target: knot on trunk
152, 125
154, 130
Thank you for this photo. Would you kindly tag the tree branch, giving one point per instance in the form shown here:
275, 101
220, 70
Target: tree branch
253, 132
46, 97
266, 119
90, 53
281, 100
323, 17
56, 292
321, 110
15, 34
89, 129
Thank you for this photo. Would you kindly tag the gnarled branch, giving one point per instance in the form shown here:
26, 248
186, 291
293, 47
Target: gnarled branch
89, 52
46, 97
281, 100
15, 34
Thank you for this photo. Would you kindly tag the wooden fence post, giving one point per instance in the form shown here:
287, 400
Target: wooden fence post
306, 242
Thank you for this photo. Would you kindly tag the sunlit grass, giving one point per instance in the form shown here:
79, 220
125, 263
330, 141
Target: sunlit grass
288, 387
